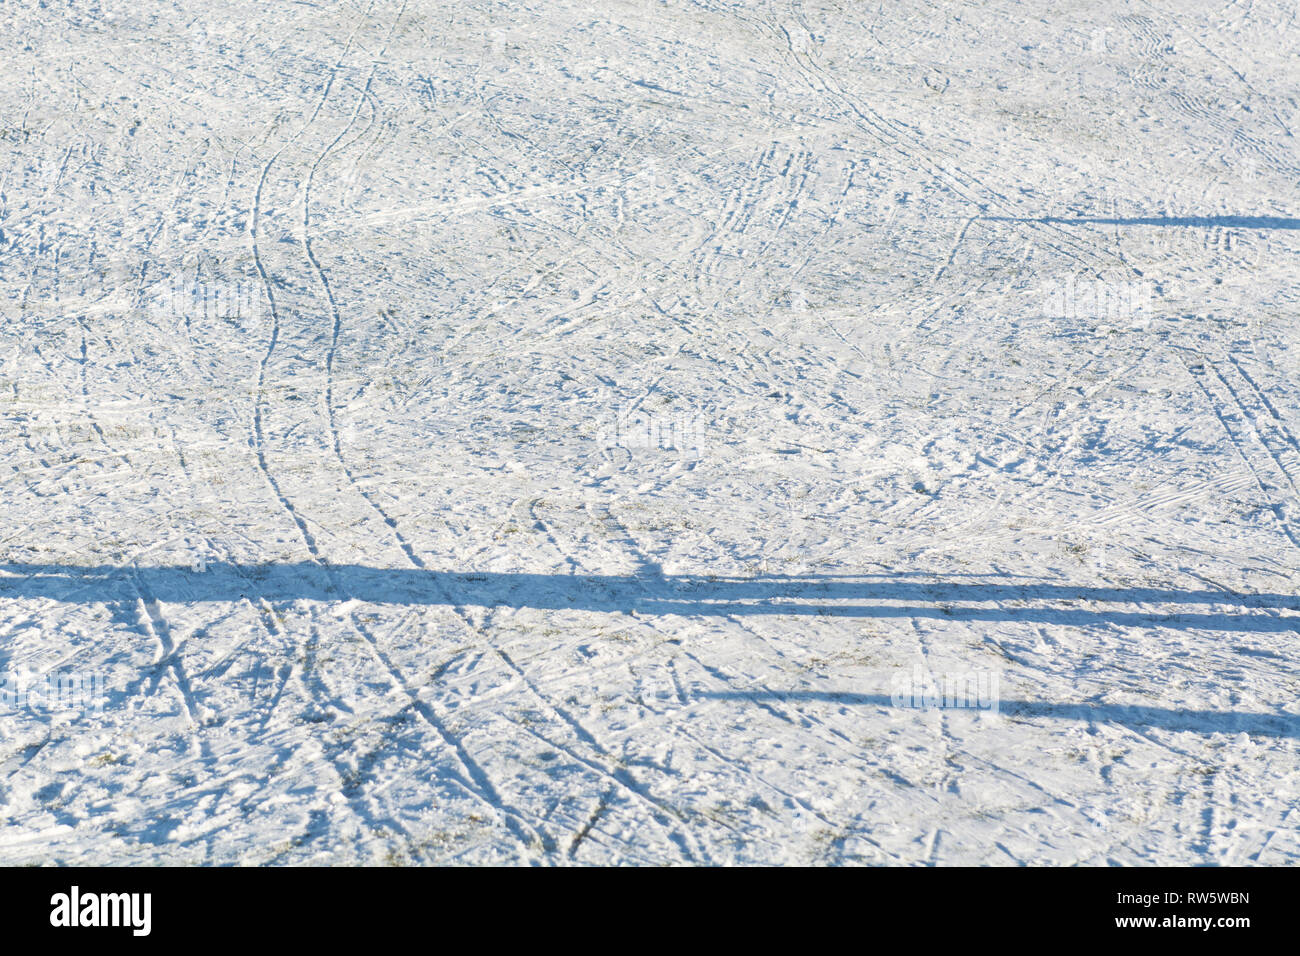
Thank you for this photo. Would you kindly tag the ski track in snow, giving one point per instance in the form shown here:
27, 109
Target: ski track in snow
546, 435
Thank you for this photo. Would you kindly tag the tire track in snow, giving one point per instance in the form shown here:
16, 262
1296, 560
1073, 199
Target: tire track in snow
472, 777
154, 624
255, 212
968, 187
1241, 426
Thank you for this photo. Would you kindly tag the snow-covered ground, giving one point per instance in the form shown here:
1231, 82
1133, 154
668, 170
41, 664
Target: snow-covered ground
573, 432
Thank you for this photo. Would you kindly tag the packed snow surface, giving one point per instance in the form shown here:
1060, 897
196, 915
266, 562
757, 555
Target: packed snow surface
559, 432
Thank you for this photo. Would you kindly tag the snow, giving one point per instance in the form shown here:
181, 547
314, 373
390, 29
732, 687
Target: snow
566, 433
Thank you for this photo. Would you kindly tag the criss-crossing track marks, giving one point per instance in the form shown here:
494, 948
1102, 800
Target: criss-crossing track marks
817, 228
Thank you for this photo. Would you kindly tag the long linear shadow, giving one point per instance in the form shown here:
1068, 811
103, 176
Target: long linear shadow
1202, 222
1162, 718
655, 593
